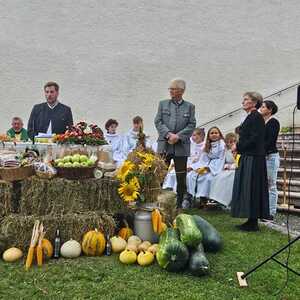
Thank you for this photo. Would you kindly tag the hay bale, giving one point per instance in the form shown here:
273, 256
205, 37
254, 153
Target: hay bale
166, 201
17, 229
62, 196
6, 196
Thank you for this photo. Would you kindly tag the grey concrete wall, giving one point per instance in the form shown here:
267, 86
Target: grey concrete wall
115, 58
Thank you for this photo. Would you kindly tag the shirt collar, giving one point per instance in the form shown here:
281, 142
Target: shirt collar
52, 106
177, 102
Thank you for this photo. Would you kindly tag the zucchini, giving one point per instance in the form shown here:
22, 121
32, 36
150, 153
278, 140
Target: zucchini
211, 239
190, 235
198, 263
172, 254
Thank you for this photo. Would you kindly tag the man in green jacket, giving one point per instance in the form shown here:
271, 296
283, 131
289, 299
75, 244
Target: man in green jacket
17, 132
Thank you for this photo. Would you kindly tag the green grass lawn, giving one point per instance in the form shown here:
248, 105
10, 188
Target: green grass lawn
106, 278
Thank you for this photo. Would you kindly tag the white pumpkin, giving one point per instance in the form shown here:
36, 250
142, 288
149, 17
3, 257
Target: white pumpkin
70, 249
12, 254
118, 244
134, 239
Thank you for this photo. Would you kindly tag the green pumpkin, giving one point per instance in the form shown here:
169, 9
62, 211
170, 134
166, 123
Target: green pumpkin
172, 254
198, 263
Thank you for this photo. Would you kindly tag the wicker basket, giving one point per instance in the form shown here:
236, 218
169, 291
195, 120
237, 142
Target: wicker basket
76, 173
45, 175
16, 173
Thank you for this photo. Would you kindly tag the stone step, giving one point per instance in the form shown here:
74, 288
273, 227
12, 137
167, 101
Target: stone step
289, 162
295, 174
294, 185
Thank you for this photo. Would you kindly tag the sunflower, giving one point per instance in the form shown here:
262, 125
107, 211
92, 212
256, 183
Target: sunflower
129, 190
147, 163
124, 170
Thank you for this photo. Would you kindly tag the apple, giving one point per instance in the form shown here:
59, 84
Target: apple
67, 159
90, 162
83, 158
76, 164
76, 158
60, 164
84, 164
68, 165
57, 161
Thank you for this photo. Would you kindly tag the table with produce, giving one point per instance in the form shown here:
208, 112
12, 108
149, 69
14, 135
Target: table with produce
65, 198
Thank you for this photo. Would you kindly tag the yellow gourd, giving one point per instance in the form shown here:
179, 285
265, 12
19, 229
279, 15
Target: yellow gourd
153, 249
47, 249
144, 246
132, 247
93, 243
145, 258
128, 257
12, 254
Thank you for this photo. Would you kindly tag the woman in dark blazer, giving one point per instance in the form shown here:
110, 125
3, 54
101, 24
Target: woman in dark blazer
250, 191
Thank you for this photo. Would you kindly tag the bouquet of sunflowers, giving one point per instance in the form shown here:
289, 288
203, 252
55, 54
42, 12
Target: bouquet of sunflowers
141, 176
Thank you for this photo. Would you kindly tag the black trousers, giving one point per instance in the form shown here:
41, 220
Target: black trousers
180, 163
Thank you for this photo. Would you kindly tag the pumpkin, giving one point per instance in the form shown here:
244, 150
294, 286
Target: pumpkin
153, 249
12, 254
144, 246
125, 232
145, 258
47, 249
132, 247
134, 239
93, 243
128, 257
70, 249
117, 244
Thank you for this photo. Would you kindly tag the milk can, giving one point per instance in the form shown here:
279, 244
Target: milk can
143, 226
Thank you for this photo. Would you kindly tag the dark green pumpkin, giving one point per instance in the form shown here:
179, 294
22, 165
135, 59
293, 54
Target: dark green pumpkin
198, 263
172, 254
211, 239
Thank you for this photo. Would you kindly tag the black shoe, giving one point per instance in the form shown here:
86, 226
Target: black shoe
250, 225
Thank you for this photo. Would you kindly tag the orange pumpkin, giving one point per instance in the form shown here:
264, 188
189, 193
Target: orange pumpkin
47, 249
125, 232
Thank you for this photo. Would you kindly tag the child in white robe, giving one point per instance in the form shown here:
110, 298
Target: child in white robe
211, 163
222, 184
115, 140
197, 144
131, 138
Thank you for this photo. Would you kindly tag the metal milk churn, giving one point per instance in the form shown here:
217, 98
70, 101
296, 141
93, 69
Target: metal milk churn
143, 226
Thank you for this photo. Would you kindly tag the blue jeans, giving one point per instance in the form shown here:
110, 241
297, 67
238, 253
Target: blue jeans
273, 162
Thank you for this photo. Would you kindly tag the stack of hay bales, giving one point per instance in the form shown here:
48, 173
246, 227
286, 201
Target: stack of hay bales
72, 206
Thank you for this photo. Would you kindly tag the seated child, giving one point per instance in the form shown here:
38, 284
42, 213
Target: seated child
222, 184
209, 165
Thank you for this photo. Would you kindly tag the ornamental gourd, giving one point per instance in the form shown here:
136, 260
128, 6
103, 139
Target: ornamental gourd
12, 254
128, 257
145, 258
93, 243
70, 249
125, 232
117, 244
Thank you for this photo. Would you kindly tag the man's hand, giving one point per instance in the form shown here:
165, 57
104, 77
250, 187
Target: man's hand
172, 138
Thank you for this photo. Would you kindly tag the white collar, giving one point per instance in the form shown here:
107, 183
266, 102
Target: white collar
52, 106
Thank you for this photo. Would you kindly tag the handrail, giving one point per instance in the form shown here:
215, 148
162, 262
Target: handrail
229, 114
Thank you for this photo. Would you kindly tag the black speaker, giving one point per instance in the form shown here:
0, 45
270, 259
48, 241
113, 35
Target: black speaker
298, 97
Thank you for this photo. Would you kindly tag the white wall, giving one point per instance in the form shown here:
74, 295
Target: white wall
115, 58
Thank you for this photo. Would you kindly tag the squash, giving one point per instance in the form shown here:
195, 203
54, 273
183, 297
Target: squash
156, 220
144, 246
172, 254
132, 247
117, 244
153, 249
145, 258
198, 263
47, 249
190, 235
12, 254
128, 257
211, 239
134, 239
70, 249
125, 232
93, 243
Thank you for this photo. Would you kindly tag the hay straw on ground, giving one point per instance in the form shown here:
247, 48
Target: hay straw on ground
166, 201
6, 194
18, 228
61, 196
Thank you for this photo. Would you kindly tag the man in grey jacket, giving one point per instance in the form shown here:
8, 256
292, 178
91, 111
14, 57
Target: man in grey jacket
175, 122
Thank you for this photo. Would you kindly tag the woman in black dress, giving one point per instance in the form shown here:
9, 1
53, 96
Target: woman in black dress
250, 191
